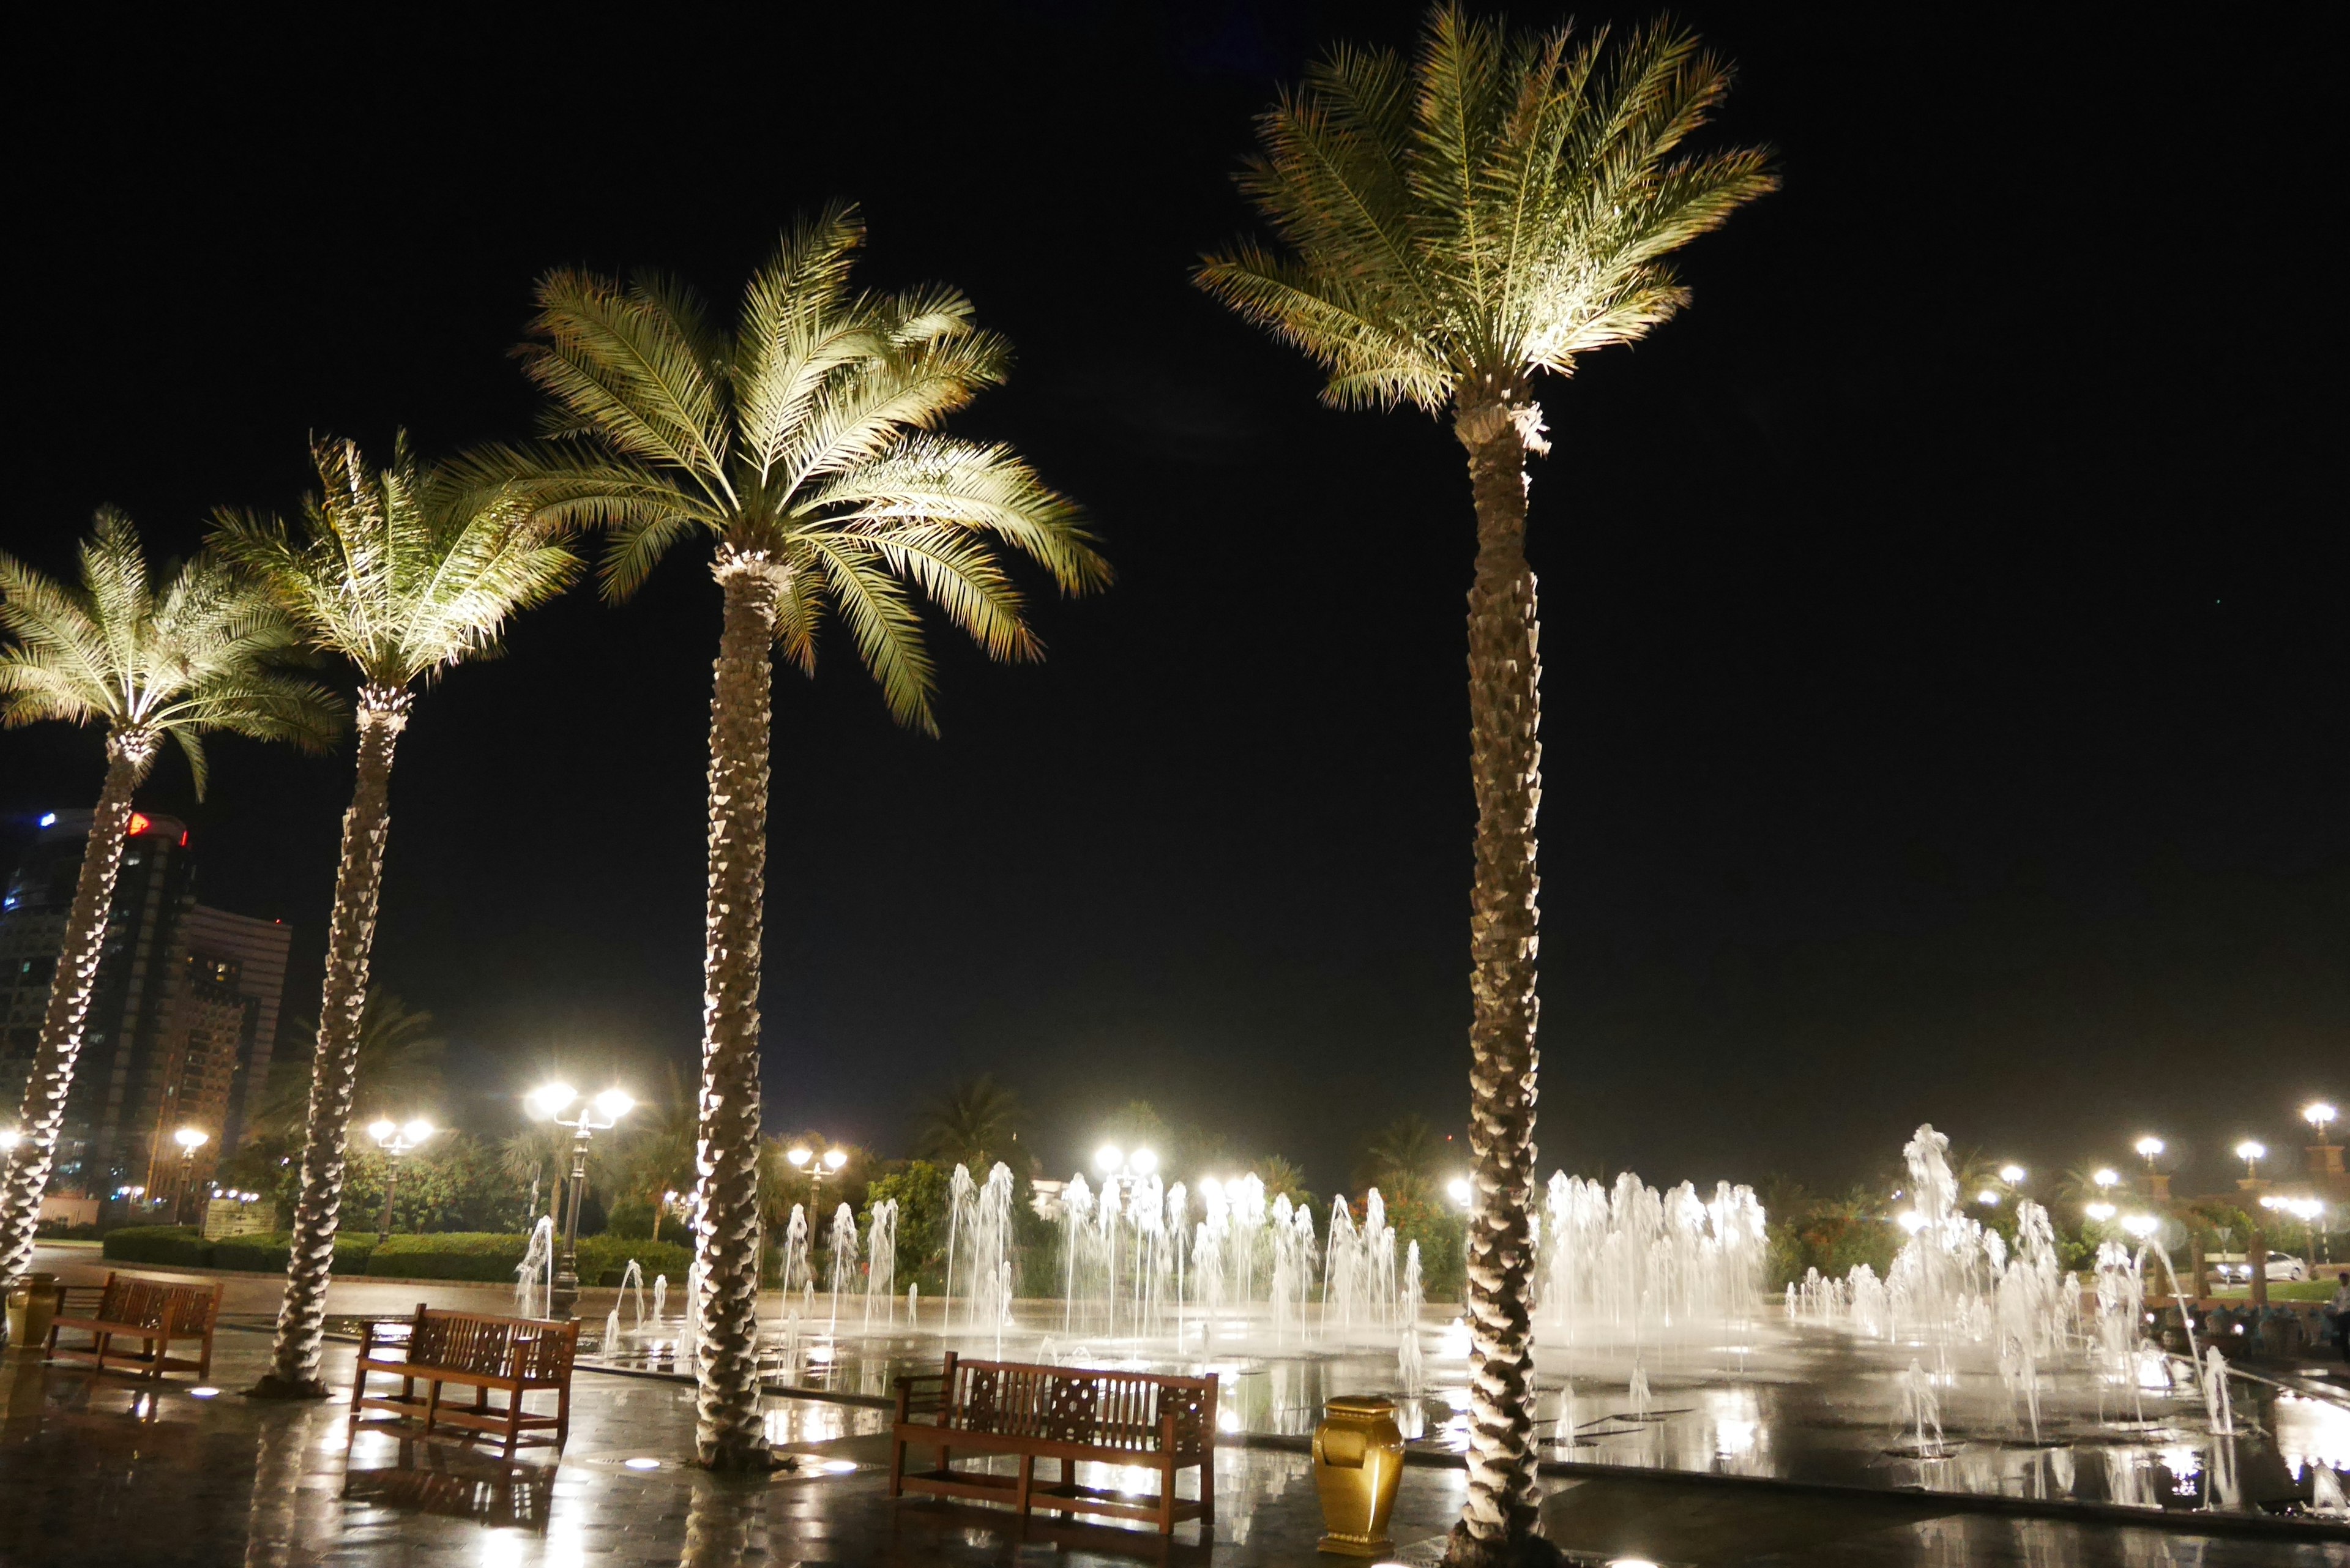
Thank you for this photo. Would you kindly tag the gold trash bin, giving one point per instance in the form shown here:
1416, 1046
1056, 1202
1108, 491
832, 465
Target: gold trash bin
1357, 1460
32, 1303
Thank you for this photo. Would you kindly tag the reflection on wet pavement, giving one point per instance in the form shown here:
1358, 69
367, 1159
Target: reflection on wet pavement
102, 1469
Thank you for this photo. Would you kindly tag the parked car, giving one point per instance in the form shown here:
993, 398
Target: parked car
2282, 1266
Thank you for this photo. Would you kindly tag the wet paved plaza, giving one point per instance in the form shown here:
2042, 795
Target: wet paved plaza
104, 1469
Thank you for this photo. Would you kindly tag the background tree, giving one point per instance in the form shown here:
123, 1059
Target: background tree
972, 1123
1282, 1178
197, 652
653, 1158
396, 1072
1404, 1158
404, 571
1502, 206
805, 444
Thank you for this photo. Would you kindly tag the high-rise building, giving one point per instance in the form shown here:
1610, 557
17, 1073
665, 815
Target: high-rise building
183, 1019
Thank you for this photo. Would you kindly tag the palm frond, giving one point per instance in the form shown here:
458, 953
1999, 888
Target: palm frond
1507, 201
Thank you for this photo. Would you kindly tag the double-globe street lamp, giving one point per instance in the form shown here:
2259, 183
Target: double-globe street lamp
395, 1140
819, 1166
598, 1115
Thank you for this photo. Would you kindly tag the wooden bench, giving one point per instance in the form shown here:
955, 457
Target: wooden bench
1131, 1420
516, 1355
152, 1311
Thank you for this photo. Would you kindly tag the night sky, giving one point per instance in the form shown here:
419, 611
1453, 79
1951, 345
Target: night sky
1943, 656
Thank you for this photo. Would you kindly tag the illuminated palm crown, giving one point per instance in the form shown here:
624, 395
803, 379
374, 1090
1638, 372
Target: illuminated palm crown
1504, 203
806, 440
402, 570
190, 655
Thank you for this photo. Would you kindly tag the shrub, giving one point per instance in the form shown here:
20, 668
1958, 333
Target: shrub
262, 1254
159, 1244
603, 1258
489, 1256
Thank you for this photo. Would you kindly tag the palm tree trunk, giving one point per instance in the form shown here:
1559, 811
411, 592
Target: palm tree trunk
351, 938
729, 1433
1505, 750
43, 1112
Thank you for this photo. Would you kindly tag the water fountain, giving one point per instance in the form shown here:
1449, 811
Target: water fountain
881, 1261
844, 1257
534, 1276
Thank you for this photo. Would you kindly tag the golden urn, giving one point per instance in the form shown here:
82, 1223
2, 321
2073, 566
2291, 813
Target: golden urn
1357, 1460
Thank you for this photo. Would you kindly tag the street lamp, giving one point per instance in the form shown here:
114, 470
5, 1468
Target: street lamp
2141, 1225
1459, 1191
2147, 1148
2106, 1177
190, 1139
597, 1114
2099, 1212
818, 1166
2319, 1116
2012, 1175
2251, 1152
395, 1141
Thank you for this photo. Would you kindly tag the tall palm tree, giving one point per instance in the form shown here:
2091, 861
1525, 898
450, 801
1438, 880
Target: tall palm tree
405, 571
1502, 205
147, 659
972, 1123
805, 444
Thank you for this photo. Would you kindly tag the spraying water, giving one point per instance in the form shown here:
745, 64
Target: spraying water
530, 1297
881, 1261
844, 1257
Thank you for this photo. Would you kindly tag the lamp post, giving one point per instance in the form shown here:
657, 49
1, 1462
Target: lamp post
598, 1115
395, 1141
819, 1166
190, 1139
1120, 1172
2251, 1152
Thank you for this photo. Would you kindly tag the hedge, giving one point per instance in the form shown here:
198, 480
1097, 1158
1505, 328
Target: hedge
488, 1257
178, 1244
264, 1253
491, 1257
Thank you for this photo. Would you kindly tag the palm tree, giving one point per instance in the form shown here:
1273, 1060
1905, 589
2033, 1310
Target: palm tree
405, 571
972, 1124
1401, 1158
805, 444
396, 1071
1500, 206
147, 659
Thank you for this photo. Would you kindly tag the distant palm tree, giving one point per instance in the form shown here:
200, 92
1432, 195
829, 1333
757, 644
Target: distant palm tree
405, 571
396, 1073
1402, 1159
1282, 1178
972, 1123
1500, 206
804, 445
193, 653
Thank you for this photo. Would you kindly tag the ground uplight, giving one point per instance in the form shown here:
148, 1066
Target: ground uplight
642, 1464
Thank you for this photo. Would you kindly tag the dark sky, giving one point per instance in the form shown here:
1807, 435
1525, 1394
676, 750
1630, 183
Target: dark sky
1943, 651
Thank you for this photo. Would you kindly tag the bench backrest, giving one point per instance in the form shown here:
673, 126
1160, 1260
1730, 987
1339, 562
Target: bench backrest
152, 1304
535, 1350
1123, 1410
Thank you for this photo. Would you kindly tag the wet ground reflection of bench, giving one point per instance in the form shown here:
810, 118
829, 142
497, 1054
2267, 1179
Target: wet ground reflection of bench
433, 1478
